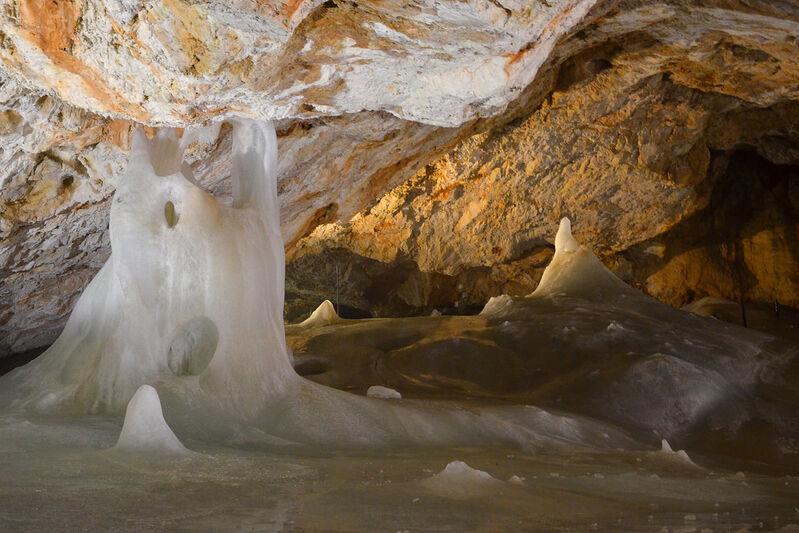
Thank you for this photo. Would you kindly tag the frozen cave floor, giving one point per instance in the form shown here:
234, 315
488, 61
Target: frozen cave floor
716, 390
64, 483
724, 394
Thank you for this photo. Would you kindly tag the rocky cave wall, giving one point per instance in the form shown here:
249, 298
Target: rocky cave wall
418, 171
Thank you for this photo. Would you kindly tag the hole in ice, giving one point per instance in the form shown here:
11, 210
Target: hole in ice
170, 214
193, 347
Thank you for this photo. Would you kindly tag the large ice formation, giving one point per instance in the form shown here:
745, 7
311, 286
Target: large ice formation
145, 429
191, 301
575, 270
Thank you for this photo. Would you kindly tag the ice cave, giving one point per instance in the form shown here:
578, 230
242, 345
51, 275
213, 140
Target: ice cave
482, 265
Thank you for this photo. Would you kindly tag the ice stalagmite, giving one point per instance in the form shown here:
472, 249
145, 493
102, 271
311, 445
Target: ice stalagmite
192, 287
323, 315
459, 480
564, 241
145, 429
575, 270
679, 455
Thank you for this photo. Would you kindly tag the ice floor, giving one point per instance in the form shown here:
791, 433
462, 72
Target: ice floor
56, 477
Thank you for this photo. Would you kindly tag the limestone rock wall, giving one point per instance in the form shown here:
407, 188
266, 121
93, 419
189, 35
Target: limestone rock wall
662, 151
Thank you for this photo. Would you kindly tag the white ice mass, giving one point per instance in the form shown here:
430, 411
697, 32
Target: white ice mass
145, 429
679, 455
496, 304
324, 315
564, 241
386, 393
459, 480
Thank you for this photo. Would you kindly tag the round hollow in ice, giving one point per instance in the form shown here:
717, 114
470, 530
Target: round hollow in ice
170, 214
193, 347
324, 315
386, 393
145, 429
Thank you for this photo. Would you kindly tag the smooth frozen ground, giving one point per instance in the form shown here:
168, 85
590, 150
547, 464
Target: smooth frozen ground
57, 477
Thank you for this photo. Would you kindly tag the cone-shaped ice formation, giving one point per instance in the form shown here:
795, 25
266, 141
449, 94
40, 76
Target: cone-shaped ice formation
459, 480
145, 429
679, 455
497, 304
324, 315
564, 242
576, 271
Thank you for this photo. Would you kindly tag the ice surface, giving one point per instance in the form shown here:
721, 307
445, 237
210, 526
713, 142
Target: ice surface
496, 304
324, 315
459, 480
378, 391
679, 455
145, 429
576, 271
564, 242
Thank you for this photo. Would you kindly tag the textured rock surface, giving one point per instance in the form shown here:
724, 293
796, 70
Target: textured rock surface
686, 183
178, 61
627, 116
